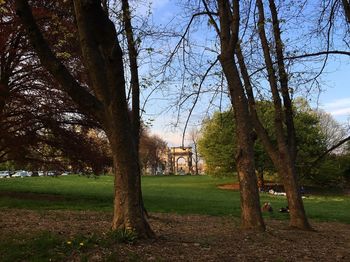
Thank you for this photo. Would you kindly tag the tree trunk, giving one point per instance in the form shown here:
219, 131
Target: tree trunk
135, 86
196, 159
261, 182
287, 171
346, 6
251, 217
4, 93
284, 155
250, 202
128, 210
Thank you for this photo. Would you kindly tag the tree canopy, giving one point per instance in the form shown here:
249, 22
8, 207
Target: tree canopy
217, 145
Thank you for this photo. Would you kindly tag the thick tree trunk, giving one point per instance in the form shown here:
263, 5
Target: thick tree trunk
128, 210
103, 53
251, 217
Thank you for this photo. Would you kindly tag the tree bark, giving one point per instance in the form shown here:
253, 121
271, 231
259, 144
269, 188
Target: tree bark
128, 208
284, 155
135, 85
251, 217
261, 181
346, 6
286, 169
102, 57
122, 134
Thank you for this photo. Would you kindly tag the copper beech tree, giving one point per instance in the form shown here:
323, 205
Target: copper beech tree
103, 60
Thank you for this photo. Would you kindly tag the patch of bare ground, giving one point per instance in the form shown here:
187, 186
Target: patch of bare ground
31, 196
188, 237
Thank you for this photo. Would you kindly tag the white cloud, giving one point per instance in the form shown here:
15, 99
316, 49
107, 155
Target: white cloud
341, 112
338, 108
339, 103
173, 139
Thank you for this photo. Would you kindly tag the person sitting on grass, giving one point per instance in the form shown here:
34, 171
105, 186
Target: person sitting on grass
267, 207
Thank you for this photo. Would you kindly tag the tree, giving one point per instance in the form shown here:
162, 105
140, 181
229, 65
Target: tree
218, 132
283, 153
218, 144
229, 21
346, 6
194, 137
37, 120
152, 148
103, 60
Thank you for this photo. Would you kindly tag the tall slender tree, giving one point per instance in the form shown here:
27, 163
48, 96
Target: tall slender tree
284, 154
228, 30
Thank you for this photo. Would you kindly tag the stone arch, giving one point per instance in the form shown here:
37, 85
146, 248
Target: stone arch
180, 164
177, 153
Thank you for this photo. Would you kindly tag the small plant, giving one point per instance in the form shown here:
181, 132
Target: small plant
123, 236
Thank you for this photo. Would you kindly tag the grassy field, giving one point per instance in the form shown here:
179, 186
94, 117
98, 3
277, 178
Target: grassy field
171, 194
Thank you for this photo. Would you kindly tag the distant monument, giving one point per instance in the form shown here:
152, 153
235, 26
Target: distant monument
178, 160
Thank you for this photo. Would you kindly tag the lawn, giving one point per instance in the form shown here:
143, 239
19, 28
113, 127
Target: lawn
168, 194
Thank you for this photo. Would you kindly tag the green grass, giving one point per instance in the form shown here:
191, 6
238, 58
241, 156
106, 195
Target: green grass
47, 246
175, 194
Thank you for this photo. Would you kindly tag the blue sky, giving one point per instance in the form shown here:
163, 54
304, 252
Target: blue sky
335, 98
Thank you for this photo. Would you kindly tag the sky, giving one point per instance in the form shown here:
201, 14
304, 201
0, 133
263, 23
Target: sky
334, 99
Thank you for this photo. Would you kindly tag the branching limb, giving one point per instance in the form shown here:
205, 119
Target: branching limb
86, 101
196, 99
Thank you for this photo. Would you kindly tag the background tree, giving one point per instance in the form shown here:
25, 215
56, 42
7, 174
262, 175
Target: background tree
152, 150
217, 144
194, 138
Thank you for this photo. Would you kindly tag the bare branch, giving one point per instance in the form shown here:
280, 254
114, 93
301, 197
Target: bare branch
196, 99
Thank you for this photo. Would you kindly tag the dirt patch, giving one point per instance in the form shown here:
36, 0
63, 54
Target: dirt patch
31, 196
189, 237
229, 186
267, 186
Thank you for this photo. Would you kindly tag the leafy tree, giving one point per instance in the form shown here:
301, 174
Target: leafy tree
152, 148
217, 145
311, 138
